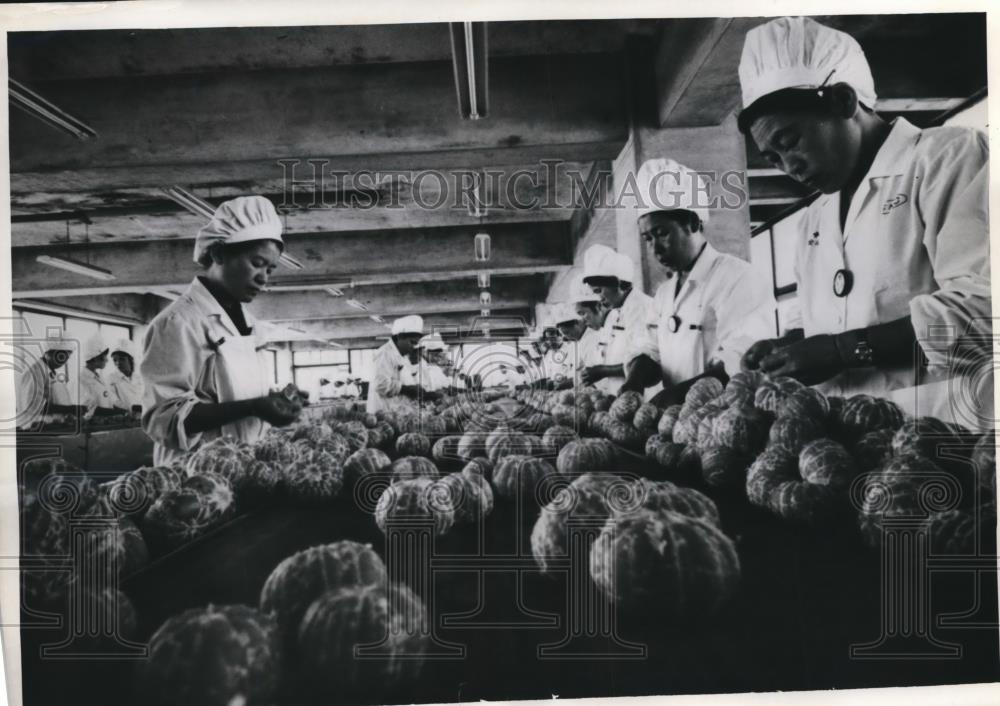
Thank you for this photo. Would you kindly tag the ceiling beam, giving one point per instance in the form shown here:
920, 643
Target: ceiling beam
319, 112
328, 258
461, 323
398, 300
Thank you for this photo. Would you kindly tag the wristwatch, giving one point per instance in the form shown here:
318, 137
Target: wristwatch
862, 349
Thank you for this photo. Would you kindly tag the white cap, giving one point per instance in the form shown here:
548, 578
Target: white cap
123, 345
94, 347
432, 342
564, 313
666, 185
408, 324
239, 220
798, 52
581, 292
602, 261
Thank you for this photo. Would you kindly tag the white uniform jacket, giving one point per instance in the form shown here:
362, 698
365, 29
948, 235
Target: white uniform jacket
392, 371
916, 240
193, 353
128, 391
723, 307
625, 336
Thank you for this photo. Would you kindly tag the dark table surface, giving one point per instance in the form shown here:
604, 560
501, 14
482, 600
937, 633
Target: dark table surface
806, 597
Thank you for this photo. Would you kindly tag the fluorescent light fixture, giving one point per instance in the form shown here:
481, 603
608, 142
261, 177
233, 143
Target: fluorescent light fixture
334, 344
484, 280
469, 60
333, 291
482, 246
295, 330
485, 298
33, 104
190, 202
356, 304
80, 268
484, 312
377, 319
290, 261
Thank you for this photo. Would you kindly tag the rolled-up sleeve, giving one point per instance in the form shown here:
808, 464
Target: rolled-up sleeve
744, 311
174, 355
954, 205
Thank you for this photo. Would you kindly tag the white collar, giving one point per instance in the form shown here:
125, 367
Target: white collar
206, 302
900, 140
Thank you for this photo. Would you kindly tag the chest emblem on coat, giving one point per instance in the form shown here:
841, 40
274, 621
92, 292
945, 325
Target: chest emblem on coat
897, 200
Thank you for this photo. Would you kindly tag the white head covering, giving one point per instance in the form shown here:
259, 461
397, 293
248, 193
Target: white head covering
666, 185
94, 347
432, 342
602, 261
581, 292
564, 313
123, 345
408, 324
798, 52
240, 220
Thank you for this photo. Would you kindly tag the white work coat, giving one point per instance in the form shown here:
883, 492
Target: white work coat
723, 307
625, 336
432, 377
916, 239
38, 388
392, 371
128, 392
95, 392
193, 353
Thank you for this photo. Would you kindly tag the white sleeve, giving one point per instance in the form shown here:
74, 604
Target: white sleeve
744, 311
174, 355
641, 329
954, 199
386, 379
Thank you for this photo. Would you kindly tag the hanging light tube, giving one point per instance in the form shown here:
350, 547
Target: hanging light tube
80, 268
33, 104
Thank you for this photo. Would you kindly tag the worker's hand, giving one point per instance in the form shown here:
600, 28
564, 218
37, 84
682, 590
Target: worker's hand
757, 352
810, 361
277, 409
592, 374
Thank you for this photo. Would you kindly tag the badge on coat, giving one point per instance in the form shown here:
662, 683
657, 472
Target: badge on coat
897, 200
843, 281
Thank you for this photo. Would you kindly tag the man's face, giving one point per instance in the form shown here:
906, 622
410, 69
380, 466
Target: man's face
669, 237
591, 315
552, 339
407, 342
124, 363
611, 295
572, 331
819, 151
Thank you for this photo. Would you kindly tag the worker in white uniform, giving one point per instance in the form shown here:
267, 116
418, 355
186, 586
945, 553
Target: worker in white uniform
573, 330
432, 355
352, 388
895, 251
593, 315
96, 396
713, 305
395, 377
43, 389
125, 380
202, 361
625, 334
557, 363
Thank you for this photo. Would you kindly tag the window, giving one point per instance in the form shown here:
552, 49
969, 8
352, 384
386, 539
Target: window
363, 363
320, 357
112, 333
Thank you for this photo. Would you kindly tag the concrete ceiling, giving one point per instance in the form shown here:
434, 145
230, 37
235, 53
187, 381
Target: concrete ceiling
226, 112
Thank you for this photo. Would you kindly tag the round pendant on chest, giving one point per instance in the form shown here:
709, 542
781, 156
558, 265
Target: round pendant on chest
673, 324
843, 280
